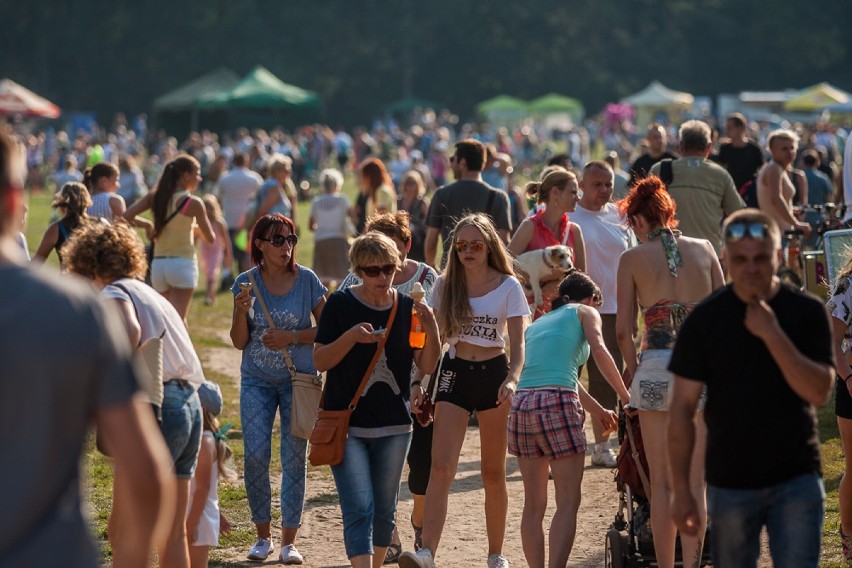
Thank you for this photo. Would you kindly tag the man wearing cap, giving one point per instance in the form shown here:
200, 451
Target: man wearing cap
763, 351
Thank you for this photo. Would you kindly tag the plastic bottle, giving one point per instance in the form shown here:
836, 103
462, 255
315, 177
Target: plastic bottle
416, 337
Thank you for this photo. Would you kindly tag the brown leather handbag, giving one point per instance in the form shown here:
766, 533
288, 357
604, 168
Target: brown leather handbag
332, 426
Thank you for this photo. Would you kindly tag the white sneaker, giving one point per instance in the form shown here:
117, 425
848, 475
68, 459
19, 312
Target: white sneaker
261, 549
603, 456
289, 555
420, 559
497, 561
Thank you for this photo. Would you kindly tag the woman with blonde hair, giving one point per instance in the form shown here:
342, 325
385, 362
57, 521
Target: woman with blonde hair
356, 323
278, 193
72, 201
665, 276
477, 300
558, 192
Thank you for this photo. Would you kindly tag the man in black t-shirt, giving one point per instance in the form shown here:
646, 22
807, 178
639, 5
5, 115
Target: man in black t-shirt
657, 140
468, 194
739, 155
764, 353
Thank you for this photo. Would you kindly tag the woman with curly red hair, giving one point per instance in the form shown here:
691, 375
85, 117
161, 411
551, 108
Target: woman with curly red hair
665, 276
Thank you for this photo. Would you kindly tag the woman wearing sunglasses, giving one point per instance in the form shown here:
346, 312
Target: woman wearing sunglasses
292, 294
395, 226
477, 299
665, 277
351, 329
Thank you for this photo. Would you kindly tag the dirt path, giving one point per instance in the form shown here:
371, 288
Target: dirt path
463, 543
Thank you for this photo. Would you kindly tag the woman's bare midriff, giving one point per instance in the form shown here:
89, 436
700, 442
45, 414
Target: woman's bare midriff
470, 352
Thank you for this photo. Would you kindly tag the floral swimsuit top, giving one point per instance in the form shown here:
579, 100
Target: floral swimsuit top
662, 322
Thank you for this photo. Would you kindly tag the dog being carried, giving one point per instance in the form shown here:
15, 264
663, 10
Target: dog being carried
544, 265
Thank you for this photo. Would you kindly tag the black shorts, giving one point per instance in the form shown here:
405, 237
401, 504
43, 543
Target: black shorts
842, 400
472, 385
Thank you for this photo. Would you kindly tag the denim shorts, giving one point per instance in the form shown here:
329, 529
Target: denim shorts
652, 384
174, 273
546, 423
181, 427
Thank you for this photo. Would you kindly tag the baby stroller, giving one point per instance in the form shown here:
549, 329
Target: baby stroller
629, 540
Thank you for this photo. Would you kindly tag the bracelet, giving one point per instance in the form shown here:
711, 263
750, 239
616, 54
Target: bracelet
295, 338
849, 376
417, 384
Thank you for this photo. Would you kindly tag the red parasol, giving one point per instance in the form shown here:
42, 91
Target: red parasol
15, 99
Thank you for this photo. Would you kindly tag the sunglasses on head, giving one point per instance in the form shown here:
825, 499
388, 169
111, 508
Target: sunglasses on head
279, 240
373, 271
740, 230
473, 246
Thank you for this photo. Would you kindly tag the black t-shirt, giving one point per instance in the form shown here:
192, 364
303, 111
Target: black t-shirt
383, 403
642, 166
452, 202
742, 163
760, 432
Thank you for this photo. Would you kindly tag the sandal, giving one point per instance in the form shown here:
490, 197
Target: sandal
392, 554
418, 536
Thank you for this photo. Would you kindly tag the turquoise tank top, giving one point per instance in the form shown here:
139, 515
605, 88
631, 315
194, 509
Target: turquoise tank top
556, 347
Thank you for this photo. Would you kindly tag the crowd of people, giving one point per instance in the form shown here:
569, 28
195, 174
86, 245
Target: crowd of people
661, 249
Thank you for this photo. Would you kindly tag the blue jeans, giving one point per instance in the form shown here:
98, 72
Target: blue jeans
259, 400
368, 486
181, 426
792, 512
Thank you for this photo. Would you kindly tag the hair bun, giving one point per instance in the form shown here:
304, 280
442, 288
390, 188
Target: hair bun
649, 185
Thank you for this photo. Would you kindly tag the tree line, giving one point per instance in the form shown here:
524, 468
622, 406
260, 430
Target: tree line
360, 55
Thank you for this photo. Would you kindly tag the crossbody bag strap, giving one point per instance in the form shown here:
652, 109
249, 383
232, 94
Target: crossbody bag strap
173, 214
375, 360
284, 351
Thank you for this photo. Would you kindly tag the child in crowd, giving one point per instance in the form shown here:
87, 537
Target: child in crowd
214, 254
204, 521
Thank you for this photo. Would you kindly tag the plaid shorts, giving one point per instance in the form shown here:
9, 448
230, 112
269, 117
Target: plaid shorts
546, 423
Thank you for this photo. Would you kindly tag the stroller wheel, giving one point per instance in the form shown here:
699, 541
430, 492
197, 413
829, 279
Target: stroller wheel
616, 547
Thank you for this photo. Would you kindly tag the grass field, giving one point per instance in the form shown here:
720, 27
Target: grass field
209, 327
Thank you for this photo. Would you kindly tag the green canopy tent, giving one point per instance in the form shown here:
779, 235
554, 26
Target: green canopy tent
178, 112
556, 110
261, 99
503, 109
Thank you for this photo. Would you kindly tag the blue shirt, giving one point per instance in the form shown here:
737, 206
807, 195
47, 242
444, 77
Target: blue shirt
556, 347
289, 311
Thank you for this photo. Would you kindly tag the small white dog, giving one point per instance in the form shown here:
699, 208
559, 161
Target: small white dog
539, 264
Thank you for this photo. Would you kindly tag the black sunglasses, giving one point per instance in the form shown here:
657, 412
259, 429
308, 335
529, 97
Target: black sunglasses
373, 271
279, 240
739, 230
